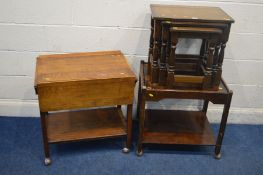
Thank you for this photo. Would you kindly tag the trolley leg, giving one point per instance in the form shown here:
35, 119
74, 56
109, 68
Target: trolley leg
45, 139
139, 100
129, 129
222, 127
139, 151
205, 106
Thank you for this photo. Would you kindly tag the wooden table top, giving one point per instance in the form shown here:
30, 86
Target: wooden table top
81, 67
190, 13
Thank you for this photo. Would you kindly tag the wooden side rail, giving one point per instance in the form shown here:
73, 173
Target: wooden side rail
188, 79
196, 30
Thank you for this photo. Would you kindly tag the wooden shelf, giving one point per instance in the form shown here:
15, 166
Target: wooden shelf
85, 124
177, 127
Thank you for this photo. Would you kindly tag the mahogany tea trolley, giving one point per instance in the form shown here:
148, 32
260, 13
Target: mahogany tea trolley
78, 81
178, 126
184, 76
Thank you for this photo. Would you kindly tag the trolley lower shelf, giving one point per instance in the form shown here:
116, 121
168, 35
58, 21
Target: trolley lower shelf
85, 124
177, 127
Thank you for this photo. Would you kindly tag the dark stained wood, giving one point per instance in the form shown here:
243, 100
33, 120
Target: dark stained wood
195, 30
170, 82
162, 63
185, 66
44, 134
84, 124
188, 79
211, 24
129, 126
178, 127
205, 106
190, 13
157, 93
223, 125
151, 44
184, 76
220, 61
210, 34
208, 69
156, 51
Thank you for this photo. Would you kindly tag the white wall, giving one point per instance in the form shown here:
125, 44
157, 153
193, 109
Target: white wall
32, 27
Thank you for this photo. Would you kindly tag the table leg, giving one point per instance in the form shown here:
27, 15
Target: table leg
205, 106
45, 139
222, 126
139, 151
129, 129
139, 100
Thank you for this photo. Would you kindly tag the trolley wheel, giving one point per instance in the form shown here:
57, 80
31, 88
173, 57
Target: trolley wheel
218, 156
139, 153
47, 161
125, 150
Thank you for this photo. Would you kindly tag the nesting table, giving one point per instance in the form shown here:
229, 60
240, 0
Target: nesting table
79, 81
170, 23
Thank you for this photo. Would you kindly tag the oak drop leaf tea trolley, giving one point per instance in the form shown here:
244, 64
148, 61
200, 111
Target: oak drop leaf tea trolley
76, 82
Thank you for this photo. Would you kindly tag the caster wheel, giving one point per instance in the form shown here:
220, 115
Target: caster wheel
125, 150
139, 153
47, 161
218, 156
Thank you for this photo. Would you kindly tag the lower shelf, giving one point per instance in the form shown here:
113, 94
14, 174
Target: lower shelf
177, 127
85, 124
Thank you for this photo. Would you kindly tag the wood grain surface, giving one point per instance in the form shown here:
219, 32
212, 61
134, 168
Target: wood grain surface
177, 127
85, 124
190, 13
81, 80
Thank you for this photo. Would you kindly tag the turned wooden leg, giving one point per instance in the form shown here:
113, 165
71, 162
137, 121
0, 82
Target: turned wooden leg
129, 129
222, 126
45, 139
207, 83
151, 46
215, 71
162, 62
171, 61
156, 51
220, 63
139, 151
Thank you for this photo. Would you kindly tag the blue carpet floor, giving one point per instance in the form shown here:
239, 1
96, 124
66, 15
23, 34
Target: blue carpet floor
21, 153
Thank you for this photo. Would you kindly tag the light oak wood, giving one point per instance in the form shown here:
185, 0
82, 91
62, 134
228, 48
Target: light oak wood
72, 81
85, 124
83, 80
74, 67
